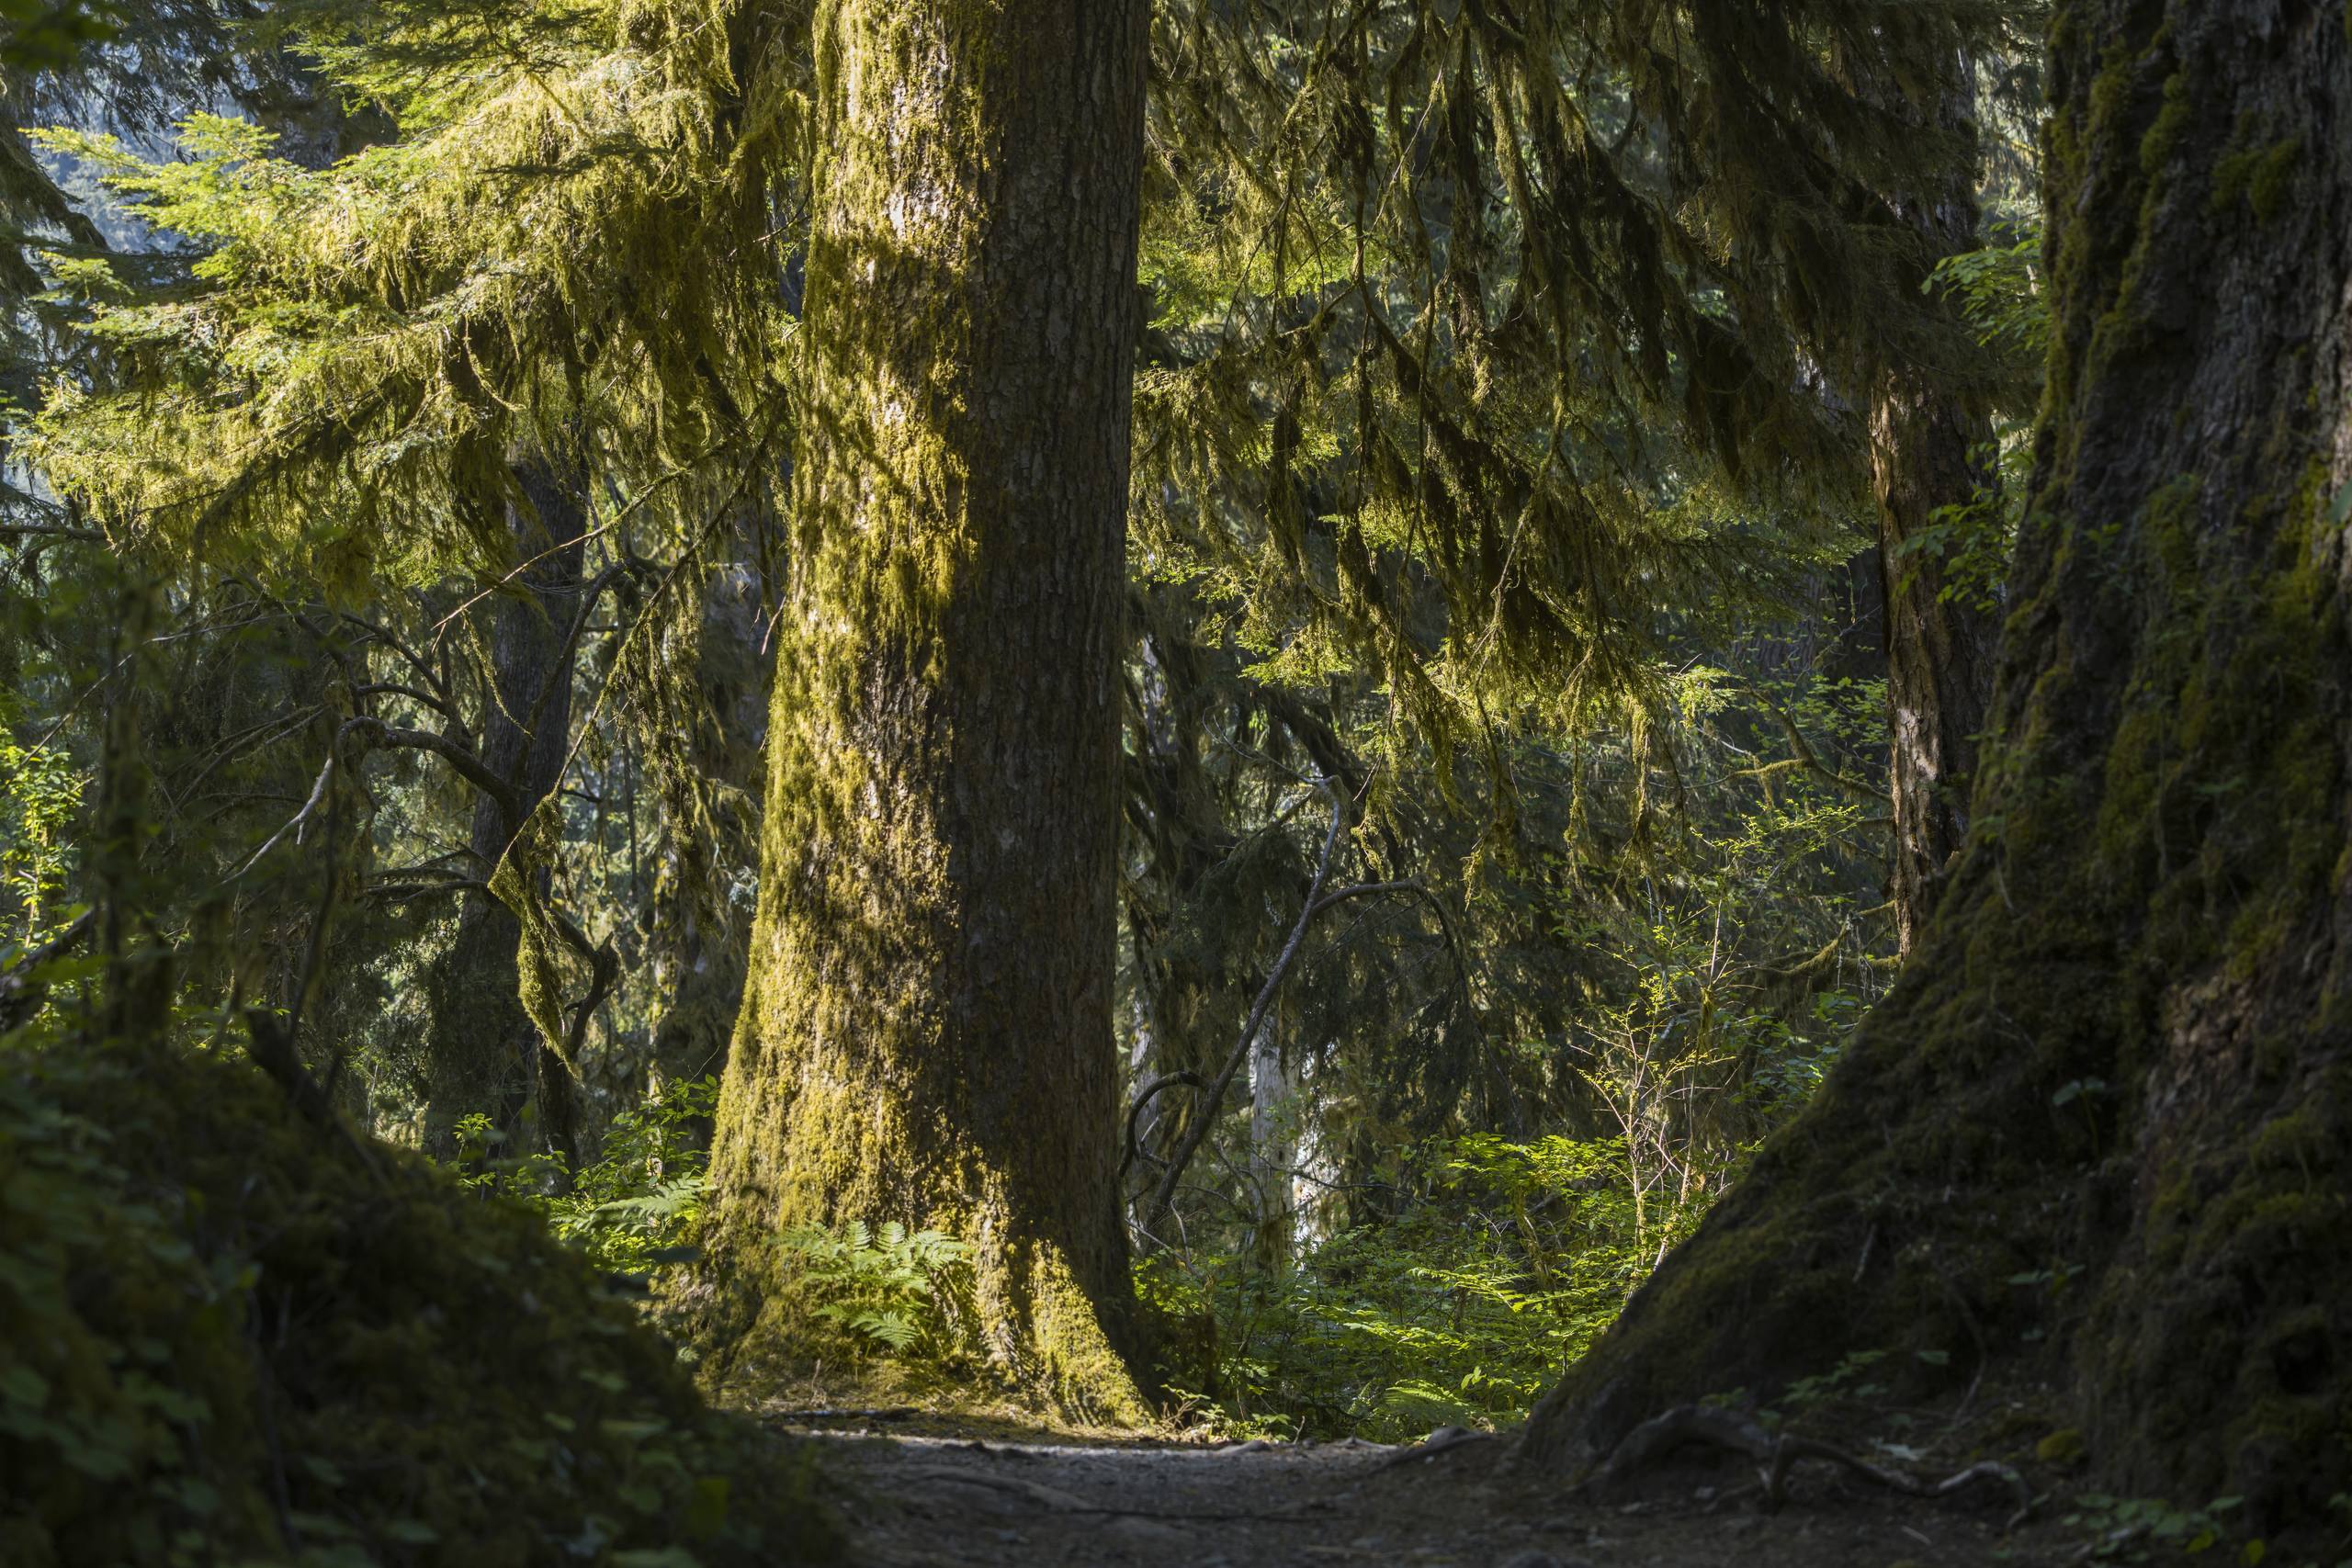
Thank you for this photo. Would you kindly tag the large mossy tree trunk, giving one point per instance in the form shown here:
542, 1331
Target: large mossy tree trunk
2110, 1099
485, 1054
926, 1029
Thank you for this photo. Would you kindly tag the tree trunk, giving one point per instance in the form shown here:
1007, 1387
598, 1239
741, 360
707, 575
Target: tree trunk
926, 1030
2110, 1099
1273, 1147
1938, 650
486, 1053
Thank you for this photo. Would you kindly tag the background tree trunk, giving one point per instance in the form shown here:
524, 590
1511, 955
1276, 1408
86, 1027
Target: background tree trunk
926, 1029
2110, 1099
486, 1053
1938, 649
1274, 1084
699, 942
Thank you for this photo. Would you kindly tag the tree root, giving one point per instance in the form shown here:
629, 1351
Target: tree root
1775, 1457
1444, 1441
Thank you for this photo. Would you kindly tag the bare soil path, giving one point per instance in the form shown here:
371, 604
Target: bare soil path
938, 1502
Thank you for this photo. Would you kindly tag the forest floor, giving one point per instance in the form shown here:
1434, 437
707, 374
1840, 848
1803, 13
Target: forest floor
942, 1501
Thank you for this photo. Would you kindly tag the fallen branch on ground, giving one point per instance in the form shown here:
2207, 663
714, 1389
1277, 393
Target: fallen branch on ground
1721, 1429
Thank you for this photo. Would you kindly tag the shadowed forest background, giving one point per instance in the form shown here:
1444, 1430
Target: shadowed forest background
1203, 717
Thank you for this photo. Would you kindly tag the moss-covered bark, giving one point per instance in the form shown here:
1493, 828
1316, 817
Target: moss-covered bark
2110, 1099
926, 1029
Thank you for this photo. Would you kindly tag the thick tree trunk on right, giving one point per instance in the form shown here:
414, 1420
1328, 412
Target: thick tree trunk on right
2105, 1118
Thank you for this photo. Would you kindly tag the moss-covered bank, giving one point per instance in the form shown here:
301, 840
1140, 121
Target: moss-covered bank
229, 1335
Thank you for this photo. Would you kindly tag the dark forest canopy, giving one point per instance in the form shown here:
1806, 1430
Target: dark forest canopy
1291, 719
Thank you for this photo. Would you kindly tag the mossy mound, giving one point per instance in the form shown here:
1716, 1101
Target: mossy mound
229, 1335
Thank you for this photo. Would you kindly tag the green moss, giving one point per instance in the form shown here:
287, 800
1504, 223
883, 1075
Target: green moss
2162, 138
2262, 176
2064, 1446
2171, 530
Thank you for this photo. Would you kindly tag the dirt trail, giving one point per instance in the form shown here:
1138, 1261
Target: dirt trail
917, 1502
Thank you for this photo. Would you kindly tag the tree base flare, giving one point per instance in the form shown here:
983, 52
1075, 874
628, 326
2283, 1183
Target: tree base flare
1017, 1336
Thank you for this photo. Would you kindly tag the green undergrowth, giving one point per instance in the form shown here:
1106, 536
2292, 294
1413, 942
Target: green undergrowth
889, 1290
229, 1335
633, 1209
881, 1314
1512, 1259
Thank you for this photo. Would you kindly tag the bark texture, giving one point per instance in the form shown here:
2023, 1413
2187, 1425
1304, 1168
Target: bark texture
1938, 649
926, 1030
486, 1054
2110, 1099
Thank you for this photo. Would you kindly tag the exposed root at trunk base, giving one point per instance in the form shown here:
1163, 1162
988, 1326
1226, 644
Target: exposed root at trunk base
1776, 1455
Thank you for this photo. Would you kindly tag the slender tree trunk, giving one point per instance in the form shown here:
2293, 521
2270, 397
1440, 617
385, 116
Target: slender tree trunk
1938, 649
486, 1054
1273, 1146
926, 1030
2110, 1100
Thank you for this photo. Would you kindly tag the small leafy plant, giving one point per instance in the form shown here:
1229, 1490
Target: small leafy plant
2126, 1530
1849, 1379
904, 1293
